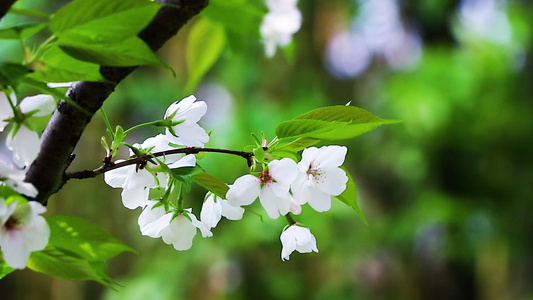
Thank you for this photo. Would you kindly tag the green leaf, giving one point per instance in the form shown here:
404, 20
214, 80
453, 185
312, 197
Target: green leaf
206, 42
83, 239
129, 52
11, 74
103, 20
185, 175
28, 12
21, 31
331, 123
4, 268
238, 16
298, 144
54, 262
349, 196
57, 66
211, 183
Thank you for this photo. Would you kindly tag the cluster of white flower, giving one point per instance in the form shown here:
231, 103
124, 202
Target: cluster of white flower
22, 229
279, 24
285, 186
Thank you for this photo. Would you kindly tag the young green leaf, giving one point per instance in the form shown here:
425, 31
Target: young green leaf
238, 16
4, 268
185, 175
57, 66
21, 31
349, 196
11, 73
102, 20
298, 144
129, 52
206, 42
57, 263
211, 183
331, 123
83, 239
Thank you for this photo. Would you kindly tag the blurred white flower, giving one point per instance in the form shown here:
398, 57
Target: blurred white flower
155, 222
297, 238
187, 113
22, 231
279, 24
320, 177
272, 188
15, 179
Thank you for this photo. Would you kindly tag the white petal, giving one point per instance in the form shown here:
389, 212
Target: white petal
138, 178
283, 171
211, 211
274, 204
318, 200
25, 146
204, 230
180, 106
231, 212
332, 181
295, 208
244, 190
181, 233
329, 156
116, 178
132, 199
288, 241
45, 104
187, 161
191, 135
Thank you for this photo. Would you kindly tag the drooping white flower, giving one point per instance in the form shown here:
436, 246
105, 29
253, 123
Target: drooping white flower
156, 222
215, 207
272, 188
297, 238
15, 179
279, 24
320, 177
21, 141
187, 112
22, 231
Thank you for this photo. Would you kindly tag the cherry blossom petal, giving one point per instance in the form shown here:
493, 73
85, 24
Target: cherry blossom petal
180, 233
116, 178
283, 171
244, 190
211, 211
330, 156
44, 104
318, 200
15, 179
132, 199
273, 204
231, 212
332, 181
191, 135
296, 238
187, 161
24, 146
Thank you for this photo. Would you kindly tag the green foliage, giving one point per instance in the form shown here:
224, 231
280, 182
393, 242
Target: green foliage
5, 269
349, 196
331, 123
11, 74
242, 17
77, 250
211, 183
21, 31
206, 42
57, 66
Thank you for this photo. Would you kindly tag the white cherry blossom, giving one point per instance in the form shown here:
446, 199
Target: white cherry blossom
297, 238
279, 24
215, 207
22, 141
320, 177
187, 112
15, 179
272, 188
22, 231
156, 222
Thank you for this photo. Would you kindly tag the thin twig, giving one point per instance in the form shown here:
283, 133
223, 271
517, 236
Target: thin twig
143, 159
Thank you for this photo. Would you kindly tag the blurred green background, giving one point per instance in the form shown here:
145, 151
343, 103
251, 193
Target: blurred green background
447, 193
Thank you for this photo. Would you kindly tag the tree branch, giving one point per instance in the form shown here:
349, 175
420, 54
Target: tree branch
67, 124
143, 159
